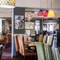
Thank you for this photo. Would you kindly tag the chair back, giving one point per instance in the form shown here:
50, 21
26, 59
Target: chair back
50, 40
40, 51
16, 43
40, 38
55, 53
21, 45
44, 39
48, 52
36, 38
1, 50
8, 41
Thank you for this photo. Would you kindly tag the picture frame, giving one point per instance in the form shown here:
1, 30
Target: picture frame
19, 22
29, 25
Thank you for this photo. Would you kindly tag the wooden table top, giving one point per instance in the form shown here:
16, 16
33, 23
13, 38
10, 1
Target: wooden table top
29, 43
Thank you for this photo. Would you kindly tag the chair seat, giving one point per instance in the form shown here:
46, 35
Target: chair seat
30, 52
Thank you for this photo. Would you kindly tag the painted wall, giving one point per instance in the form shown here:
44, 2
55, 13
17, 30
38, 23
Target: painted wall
9, 14
57, 14
5, 14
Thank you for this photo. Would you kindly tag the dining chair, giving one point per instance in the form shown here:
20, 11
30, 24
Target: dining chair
50, 40
41, 38
40, 50
8, 38
48, 52
1, 50
36, 38
55, 53
16, 45
23, 51
44, 39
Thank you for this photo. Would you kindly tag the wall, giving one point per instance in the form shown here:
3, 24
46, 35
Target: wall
5, 14
9, 14
57, 14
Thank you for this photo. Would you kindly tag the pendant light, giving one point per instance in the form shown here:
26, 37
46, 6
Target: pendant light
7, 3
40, 13
46, 12
51, 12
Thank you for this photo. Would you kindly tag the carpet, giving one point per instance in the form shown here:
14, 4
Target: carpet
6, 55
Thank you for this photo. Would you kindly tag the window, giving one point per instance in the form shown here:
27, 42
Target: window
0, 26
37, 27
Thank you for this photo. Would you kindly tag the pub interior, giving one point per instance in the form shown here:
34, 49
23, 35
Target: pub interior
41, 38
29, 35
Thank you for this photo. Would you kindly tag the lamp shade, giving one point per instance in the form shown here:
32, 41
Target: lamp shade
51, 13
7, 3
40, 13
46, 13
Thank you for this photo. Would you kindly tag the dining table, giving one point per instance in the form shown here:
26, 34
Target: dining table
30, 43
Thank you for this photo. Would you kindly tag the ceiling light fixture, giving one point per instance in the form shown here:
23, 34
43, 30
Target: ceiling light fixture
7, 3
40, 13
46, 12
51, 12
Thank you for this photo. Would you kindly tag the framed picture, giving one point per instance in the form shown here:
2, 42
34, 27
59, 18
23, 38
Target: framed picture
29, 25
28, 32
19, 21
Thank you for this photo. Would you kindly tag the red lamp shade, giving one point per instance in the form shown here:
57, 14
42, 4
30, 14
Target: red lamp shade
40, 13
46, 13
